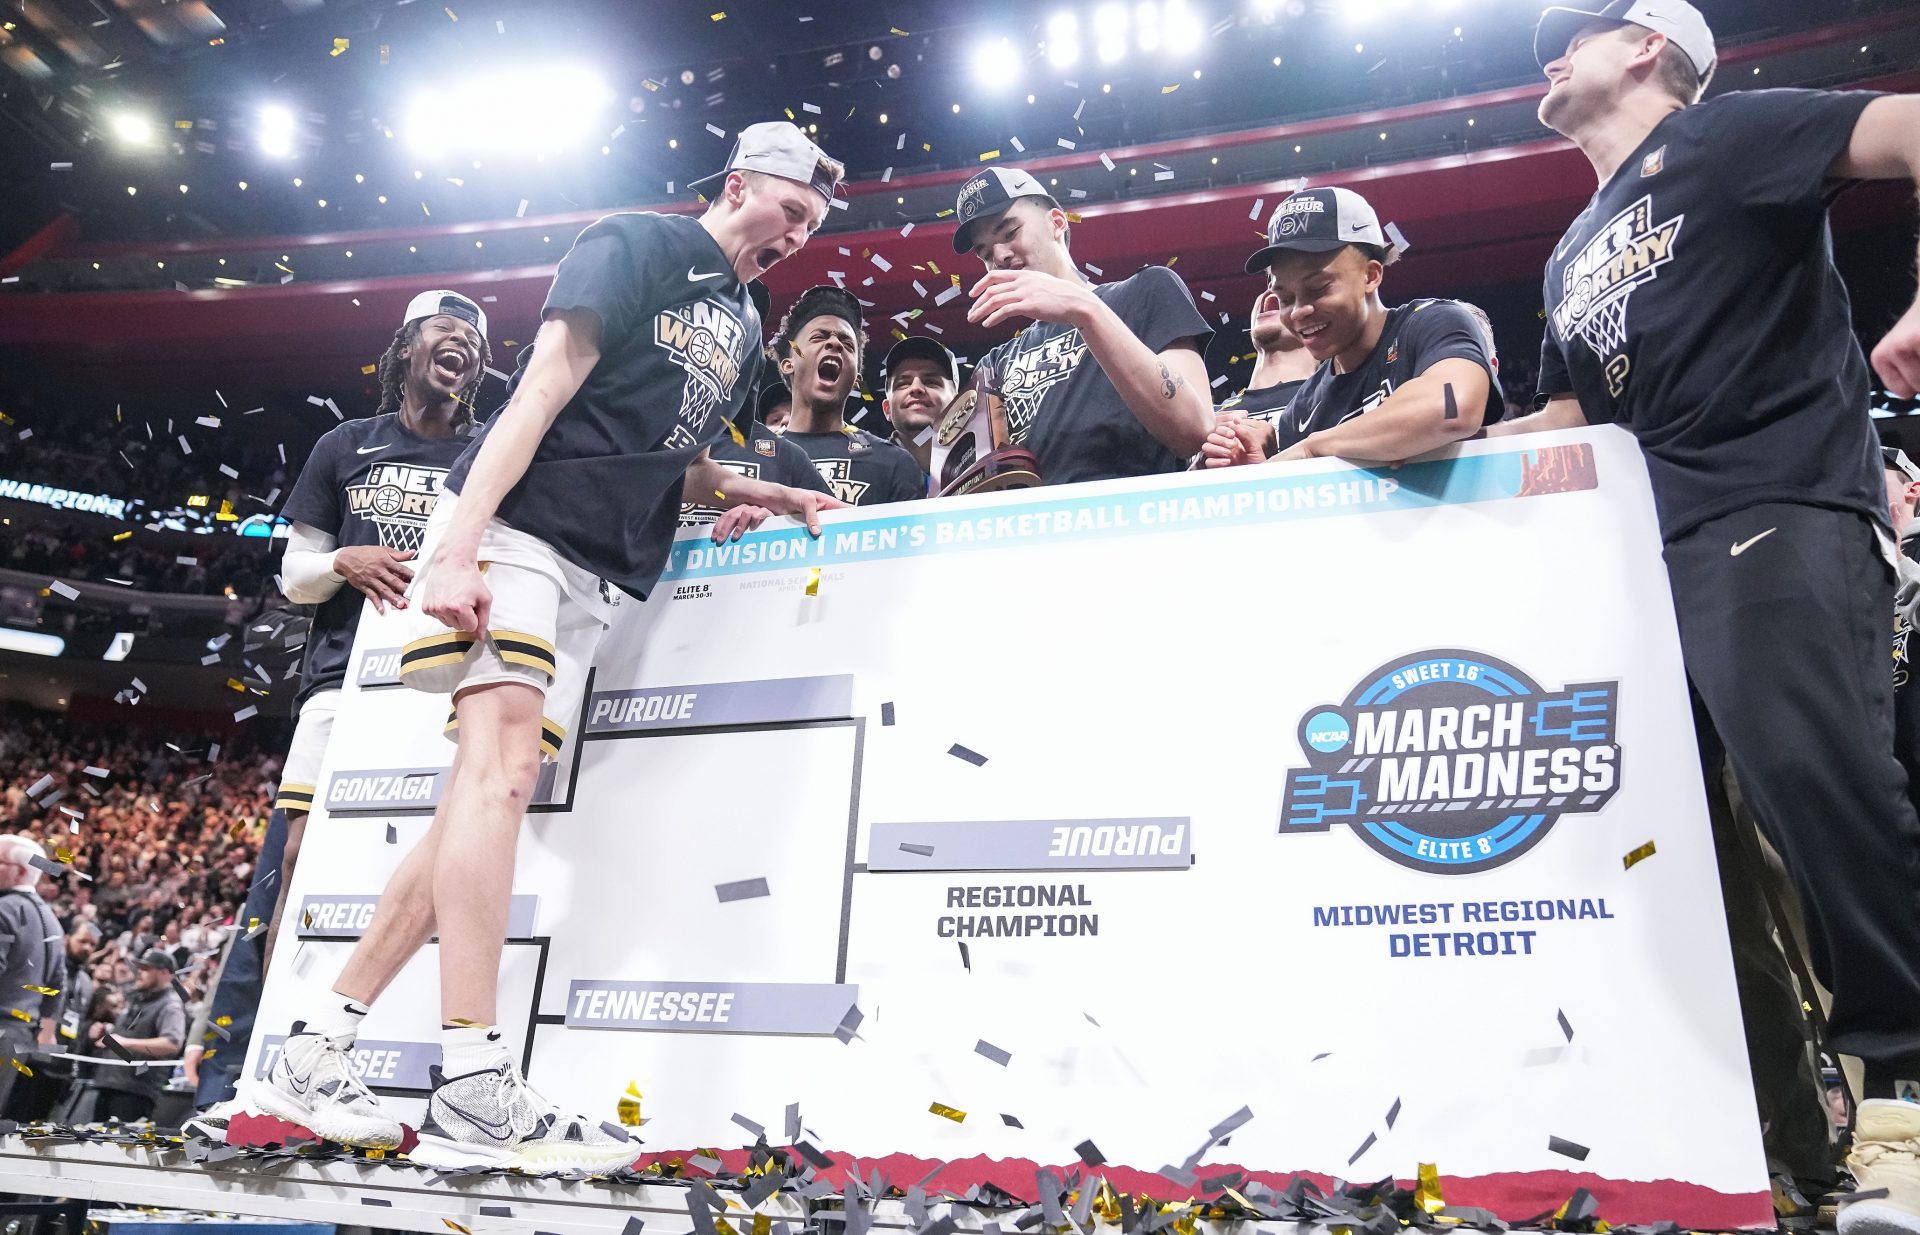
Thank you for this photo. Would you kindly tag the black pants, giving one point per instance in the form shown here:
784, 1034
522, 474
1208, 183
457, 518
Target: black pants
121, 1105
1786, 644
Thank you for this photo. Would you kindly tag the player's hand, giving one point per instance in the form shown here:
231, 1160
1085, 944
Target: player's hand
1234, 442
735, 523
1897, 359
457, 597
1294, 453
377, 571
804, 505
1005, 294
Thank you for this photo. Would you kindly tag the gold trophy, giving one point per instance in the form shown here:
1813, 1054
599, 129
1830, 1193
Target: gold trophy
971, 451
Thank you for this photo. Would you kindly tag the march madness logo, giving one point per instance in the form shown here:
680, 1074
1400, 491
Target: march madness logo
397, 498
708, 341
1597, 285
838, 473
1033, 371
1453, 762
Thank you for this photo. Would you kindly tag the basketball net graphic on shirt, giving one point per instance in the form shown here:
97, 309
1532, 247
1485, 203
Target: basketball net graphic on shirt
710, 343
838, 473
1598, 284
397, 498
1033, 371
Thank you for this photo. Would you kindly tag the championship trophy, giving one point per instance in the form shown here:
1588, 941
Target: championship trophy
971, 453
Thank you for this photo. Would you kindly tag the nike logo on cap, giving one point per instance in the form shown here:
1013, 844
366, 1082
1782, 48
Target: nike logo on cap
693, 277
369, 450
1745, 545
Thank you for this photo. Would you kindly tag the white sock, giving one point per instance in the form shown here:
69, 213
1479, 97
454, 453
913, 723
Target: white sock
470, 1048
339, 1019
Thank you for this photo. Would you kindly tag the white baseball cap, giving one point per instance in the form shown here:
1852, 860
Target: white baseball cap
1683, 25
777, 148
452, 304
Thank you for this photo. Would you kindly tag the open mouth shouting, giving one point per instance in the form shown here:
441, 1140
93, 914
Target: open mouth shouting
451, 364
829, 370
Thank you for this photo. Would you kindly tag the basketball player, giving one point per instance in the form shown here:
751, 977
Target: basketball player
1391, 383
1141, 406
1281, 366
649, 342
1696, 303
920, 377
358, 511
820, 343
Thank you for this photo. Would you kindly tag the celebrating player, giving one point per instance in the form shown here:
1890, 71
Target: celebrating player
649, 341
1142, 406
761, 454
1696, 303
1391, 383
820, 343
358, 510
920, 377
1281, 366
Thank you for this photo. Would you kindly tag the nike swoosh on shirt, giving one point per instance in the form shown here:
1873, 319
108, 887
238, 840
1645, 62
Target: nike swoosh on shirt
695, 277
368, 450
1745, 545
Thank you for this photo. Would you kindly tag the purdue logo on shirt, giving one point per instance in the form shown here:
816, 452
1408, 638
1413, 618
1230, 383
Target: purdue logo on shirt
1031, 372
397, 498
707, 340
838, 473
1599, 282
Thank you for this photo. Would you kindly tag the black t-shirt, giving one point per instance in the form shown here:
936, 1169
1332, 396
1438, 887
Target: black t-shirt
1695, 302
766, 456
861, 469
1264, 404
366, 482
679, 352
1417, 336
1060, 403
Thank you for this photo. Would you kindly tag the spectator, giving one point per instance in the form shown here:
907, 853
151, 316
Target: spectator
30, 959
153, 1026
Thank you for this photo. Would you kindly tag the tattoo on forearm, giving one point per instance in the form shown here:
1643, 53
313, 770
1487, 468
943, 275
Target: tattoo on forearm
1170, 382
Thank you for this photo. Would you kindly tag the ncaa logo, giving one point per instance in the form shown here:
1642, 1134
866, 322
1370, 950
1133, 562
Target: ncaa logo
1454, 762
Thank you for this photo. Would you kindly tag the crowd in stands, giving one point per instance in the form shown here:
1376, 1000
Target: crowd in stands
167, 840
208, 565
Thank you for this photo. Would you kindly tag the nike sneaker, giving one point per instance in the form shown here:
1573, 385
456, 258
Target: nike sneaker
212, 1122
493, 1118
1885, 1157
312, 1084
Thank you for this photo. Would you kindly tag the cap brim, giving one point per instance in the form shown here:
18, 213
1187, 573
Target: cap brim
917, 347
1264, 258
962, 244
1556, 29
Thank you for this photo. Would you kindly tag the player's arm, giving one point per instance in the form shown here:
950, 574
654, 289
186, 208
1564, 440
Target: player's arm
1886, 146
1166, 390
1445, 404
565, 351
1561, 412
748, 500
312, 569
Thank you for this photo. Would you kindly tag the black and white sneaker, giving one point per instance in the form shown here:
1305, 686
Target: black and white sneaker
493, 1118
212, 1122
312, 1084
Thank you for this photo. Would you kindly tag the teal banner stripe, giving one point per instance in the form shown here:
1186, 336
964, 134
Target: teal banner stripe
1267, 496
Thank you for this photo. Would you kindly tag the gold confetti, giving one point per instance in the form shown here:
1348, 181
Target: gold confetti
943, 214
226, 1021
20, 1014
1173, 259
652, 86
1427, 1193
991, 154
368, 370
628, 1108
1072, 217
1170, 89
183, 124
48, 991
236, 684
813, 589
939, 1108
734, 432
762, 1224
340, 47
720, 16
455, 1226
122, 535
451, 15
789, 112
1638, 855
465, 1024
373, 1154
720, 495
63, 856
306, 919
897, 30
23, 1069
927, 146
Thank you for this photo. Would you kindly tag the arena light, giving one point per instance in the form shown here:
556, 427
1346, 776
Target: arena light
1146, 25
1179, 27
275, 131
1063, 40
131, 128
31, 642
525, 112
995, 65
1110, 32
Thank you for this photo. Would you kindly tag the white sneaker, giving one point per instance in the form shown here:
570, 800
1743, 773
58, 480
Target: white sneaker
212, 1122
493, 1118
1886, 1154
312, 1084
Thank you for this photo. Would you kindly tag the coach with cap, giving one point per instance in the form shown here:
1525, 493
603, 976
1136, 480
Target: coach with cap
919, 377
1109, 379
153, 1026
30, 957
